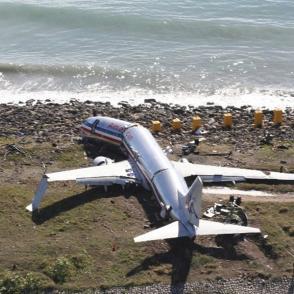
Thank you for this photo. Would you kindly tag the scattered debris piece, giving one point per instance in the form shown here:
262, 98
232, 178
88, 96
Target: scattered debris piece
13, 148
231, 212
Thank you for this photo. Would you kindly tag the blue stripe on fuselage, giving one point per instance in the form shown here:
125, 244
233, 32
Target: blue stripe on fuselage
106, 131
109, 132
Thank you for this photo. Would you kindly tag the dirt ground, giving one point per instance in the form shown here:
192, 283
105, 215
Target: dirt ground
90, 232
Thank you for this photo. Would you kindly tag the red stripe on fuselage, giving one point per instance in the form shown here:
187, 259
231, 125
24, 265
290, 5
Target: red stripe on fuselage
100, 136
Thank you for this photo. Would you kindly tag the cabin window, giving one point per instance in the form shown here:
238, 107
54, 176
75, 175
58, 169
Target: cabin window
94, 125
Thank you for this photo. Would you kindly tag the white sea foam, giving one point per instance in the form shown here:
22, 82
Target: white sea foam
137, 96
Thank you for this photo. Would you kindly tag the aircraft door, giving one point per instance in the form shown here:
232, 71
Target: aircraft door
94, 125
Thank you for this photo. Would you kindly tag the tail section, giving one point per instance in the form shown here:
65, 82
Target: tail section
194, 226
177, 229
193, 201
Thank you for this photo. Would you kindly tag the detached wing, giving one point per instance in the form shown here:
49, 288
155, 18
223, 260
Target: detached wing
216, 174
116, 173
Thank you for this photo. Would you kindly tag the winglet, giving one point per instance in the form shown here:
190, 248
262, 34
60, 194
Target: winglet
39, 194
29, 208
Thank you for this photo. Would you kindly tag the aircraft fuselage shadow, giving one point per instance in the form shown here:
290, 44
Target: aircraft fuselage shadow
180, 251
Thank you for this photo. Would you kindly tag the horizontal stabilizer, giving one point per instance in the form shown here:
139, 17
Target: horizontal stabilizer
215, 228
177, 229
172, 230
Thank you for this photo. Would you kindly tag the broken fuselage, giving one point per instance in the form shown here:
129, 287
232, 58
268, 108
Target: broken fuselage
149, 163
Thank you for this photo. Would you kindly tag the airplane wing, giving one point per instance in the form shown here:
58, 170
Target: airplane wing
177, 229
116, 173
216, 174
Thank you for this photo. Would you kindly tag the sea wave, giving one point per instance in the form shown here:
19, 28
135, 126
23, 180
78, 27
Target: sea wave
147, 26
156, 79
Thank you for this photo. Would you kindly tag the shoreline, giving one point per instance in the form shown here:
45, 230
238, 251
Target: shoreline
264, 99
52, 120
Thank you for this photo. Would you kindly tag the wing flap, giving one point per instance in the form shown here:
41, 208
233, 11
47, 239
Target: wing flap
106, 181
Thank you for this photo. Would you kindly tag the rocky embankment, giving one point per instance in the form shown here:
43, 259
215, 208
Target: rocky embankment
50, 121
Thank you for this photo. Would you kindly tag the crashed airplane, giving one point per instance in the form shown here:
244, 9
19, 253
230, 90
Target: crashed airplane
148, 165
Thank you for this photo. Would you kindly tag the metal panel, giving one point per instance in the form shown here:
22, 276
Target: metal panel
145, 150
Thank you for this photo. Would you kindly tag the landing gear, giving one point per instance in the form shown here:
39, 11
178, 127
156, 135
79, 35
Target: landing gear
165, 211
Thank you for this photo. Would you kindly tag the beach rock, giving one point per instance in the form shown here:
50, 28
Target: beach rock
55, 121
150, 100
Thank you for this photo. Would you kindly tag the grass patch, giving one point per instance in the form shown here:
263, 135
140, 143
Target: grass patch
64, 156
276, 156
276, 220
16, 283
61, 270
71, 157
199, 260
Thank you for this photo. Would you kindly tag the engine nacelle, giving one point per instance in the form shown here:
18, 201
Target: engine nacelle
101, 160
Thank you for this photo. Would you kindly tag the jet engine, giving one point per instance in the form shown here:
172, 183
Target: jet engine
101, 160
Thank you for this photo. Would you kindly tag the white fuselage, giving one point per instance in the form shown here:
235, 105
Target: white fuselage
148, 161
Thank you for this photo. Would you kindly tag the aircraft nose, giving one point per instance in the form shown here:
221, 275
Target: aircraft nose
85, 126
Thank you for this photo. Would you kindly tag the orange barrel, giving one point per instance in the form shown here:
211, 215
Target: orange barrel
176, 124
278, 116
228, 120
258, 118
196, 122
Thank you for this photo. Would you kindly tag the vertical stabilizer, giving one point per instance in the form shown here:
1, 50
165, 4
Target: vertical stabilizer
193, 201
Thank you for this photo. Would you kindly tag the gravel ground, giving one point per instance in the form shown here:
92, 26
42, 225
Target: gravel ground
240, 285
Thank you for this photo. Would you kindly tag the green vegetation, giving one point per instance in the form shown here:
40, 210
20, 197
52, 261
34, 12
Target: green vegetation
61, 270
199, 260
271, 156
25, 152
276, 220
14, 283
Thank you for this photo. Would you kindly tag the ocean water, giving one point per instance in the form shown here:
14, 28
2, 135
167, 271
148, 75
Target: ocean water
230, 52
